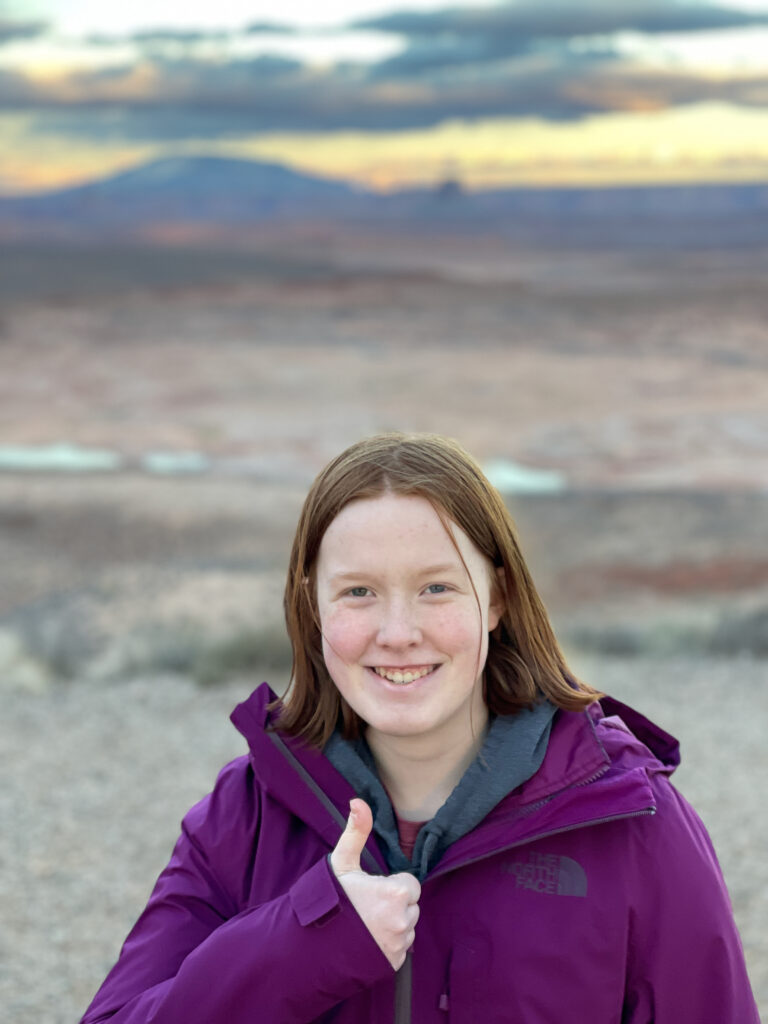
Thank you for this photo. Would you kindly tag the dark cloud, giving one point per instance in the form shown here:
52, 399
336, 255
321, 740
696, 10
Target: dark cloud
148, 38
263, 28
193, 98
11, 31
425, 56
16, 91
185, 81
196, 100
158, 37
563, 19
172, 35
443, 55
452, 38
619, 91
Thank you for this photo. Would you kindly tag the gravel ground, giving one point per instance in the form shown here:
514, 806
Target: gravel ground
101, 776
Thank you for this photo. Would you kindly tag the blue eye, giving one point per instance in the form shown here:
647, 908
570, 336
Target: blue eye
437, 588
358, 591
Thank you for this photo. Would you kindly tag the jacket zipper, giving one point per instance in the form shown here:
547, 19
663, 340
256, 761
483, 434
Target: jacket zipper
403, 991
324, 799
643, 812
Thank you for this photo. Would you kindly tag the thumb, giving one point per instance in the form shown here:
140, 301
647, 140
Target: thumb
346, 855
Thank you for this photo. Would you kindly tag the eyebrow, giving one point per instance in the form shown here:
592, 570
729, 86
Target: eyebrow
430, 570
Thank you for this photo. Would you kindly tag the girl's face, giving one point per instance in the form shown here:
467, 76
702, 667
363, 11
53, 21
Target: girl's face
403, 637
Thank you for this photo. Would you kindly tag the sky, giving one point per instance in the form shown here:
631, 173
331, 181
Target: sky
533, 92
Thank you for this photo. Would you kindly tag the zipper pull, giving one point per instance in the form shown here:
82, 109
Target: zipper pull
445, 1003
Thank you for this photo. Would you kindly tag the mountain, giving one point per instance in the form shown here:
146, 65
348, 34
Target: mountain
188, 189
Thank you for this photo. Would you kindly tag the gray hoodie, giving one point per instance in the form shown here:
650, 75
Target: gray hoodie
512, 752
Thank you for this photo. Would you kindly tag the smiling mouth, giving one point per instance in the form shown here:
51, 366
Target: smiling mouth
393, 675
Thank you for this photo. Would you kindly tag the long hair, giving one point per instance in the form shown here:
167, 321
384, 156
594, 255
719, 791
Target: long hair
524, 658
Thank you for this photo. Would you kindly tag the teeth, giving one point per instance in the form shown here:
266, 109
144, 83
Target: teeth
395, 676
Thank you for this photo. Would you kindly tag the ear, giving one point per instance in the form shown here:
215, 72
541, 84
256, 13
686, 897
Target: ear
498, 591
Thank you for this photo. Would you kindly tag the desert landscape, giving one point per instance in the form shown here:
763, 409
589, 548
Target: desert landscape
617, 393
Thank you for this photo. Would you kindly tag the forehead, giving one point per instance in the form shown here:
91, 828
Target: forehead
392, 528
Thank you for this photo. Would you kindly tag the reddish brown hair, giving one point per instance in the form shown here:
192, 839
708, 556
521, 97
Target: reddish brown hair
524, 657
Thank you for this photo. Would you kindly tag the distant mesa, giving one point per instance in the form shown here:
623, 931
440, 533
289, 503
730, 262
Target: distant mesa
449, 189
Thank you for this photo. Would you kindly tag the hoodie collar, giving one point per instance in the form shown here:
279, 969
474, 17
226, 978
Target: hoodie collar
512, 751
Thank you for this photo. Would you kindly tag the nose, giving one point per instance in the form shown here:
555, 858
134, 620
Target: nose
398, 627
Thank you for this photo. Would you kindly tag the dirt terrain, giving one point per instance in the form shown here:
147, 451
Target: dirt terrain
620, 369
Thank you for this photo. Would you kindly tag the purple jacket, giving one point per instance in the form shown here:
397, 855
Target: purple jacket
589, 894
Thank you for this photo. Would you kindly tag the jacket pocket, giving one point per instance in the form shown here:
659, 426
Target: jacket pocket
469, 996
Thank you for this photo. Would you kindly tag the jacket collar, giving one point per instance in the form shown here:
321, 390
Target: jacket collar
596, 768
289, 769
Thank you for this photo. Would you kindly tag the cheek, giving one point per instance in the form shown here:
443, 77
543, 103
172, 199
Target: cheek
459, 629
345, 635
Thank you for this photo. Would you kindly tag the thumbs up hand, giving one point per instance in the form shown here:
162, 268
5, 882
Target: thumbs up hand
388, 906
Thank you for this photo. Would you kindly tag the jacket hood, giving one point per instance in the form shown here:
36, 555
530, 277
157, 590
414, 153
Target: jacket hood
597, 766
297, 775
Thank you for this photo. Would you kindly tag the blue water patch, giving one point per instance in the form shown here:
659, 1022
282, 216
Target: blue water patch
58, 458
512, 478
173, 463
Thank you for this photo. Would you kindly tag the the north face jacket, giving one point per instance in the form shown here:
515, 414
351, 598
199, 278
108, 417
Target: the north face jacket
590, 895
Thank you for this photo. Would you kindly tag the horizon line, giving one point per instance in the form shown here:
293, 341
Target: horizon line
576, 183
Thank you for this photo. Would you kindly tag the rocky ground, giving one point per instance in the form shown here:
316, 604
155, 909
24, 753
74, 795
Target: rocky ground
101, 776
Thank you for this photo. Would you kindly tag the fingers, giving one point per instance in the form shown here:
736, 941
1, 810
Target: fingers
413, 915
408, 886
346, 854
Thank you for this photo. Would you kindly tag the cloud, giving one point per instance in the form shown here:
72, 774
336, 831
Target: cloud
173, 35
159, 37
16, 91
149, 38
455, 37
11, 31
441, 56
189, 99
472, 64
622, 91
529, 21
261, 28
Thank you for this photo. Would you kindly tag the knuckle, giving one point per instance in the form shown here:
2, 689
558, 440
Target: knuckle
401, 925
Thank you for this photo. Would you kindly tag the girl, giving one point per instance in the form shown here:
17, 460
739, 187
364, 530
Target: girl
439, 823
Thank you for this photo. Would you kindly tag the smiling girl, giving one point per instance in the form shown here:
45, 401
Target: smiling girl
439, 822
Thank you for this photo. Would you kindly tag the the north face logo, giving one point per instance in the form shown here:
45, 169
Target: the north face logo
548, 873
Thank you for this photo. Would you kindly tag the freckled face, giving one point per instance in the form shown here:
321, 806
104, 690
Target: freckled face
403, 637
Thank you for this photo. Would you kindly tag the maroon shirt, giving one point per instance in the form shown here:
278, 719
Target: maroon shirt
407, 831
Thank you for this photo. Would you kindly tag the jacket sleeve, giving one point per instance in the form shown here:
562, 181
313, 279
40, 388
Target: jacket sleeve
685, 960
192, 956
